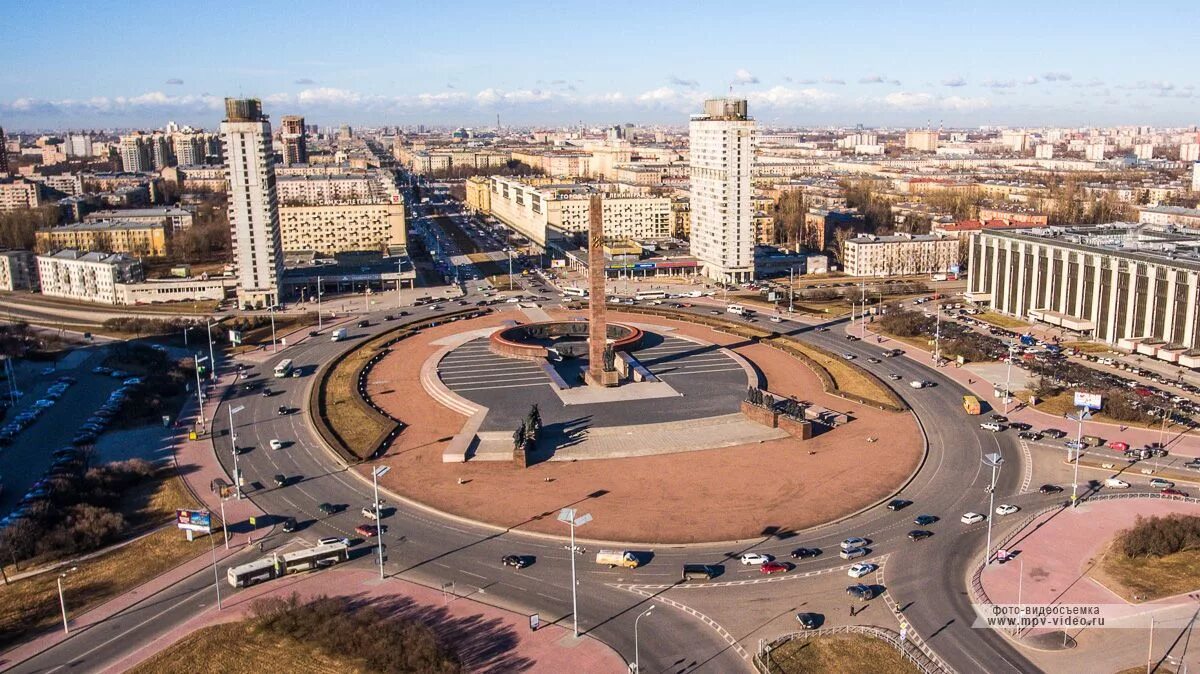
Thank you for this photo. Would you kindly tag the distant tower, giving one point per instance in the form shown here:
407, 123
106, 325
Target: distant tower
597, 374
291, 135
253, 206
722, 157
3, 152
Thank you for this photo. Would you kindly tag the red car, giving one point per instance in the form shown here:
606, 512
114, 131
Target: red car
367, 530
1118, 445
774, 567
1172, 492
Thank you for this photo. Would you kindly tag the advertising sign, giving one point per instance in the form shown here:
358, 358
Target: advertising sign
194, 520
235, 337
1092, 401
555, 264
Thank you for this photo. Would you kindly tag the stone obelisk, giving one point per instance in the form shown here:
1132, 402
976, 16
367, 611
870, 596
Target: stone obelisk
597, 375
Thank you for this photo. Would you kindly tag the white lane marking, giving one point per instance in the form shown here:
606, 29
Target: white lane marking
490, 388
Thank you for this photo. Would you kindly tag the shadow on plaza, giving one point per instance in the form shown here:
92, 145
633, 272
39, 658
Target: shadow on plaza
560, 435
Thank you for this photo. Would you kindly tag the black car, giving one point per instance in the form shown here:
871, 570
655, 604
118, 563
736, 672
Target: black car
805, 553
280, 480
861, 592
515, 561
364, 323
388, 317
327, 508
1054, 433
925, 520
267, 393
898, 504
289, 525
403, 313
283, 409
919, 534
1000, 418
1020, 426
1029, 435
809, 621
1049, 489
314, 333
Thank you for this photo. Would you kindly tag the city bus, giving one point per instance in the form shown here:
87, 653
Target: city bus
971, 405
575, 292
650, 295
284, 368
250, 573
312, 558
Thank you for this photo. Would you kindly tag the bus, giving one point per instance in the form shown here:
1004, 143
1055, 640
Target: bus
284, 368
650, 295
251, 572
575, 292
312, 558
971, 405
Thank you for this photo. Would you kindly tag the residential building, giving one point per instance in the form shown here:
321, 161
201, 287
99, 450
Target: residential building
549, 212
1196, 178
1017, 141
161, 155
172, 218
1013, 214
1187, 152
18, 270
292, 139
1131, 285
721, 162
338, 228
821, 226
922, 140
479, 195
135, 238
18, 193
253, 205
191, 149
134, 150
1143, 151
324, 188
1044, 151
681, 216
900, 254
88, 277
1095, 152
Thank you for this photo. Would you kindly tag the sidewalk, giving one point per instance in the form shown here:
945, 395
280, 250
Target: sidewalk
486, 638
1178, 443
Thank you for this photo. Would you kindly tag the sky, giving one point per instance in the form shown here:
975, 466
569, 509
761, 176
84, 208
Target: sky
136, 63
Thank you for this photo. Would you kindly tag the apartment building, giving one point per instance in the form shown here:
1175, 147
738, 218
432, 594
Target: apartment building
18, 270
1131, 285
1184, 218
3, 152
88, 277
328, 188
253, 204
172, 218
548, 212
921, 140
338, 228
293, 140
479, 193
900, 254
135, 238
18, 193
134, 150
721, 162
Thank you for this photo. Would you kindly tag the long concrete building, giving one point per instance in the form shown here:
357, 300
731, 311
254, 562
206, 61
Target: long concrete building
1131, 285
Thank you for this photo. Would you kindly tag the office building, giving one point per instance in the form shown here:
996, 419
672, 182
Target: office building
1131, 285
88, 277
115, 236
722, 159
253, 208
18, 270
292, 140
922, 140
900, 254
134, 150
173, 218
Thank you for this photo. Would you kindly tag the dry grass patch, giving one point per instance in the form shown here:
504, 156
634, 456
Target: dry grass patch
1088, 347
1064, 403
846, 377
242, 648
840, 654
357, 425
1002, 321
1149, 578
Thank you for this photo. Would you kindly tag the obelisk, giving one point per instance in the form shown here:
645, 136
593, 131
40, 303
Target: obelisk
597, 324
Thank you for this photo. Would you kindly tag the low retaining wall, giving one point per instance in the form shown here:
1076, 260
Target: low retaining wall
514, 342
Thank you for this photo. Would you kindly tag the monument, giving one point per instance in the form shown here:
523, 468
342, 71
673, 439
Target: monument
601, 369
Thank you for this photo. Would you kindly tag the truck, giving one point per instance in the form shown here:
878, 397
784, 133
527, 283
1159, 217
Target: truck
618, 558
939, 277
971, 405
737, 309
338, 335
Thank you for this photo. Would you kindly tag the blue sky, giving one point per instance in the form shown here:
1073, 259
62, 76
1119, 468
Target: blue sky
109, 64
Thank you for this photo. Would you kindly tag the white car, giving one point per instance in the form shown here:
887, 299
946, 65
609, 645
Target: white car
756, 558
971, 518
276, 444
849, 356
776, 319
917, 384
860, 570
853, 542
873, 360
895, 377
1006, 509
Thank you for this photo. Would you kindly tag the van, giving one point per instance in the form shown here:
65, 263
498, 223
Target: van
1092, 440
699, 572
1114, 483
737, 309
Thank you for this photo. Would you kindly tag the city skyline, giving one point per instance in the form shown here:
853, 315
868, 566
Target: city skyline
937, 64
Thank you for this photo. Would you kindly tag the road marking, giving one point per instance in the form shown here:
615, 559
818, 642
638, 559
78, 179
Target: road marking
721, 631
491, 388
772, 578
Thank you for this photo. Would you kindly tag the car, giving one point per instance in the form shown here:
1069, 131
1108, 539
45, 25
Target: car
924, 520
297, 373
898, 504
314, 333
991, 426
776, 319
1172, 492
330, 540
367, 530
1115, 483
853, 542
874, 360
919, 535
101, 370
1074, 444
369, 512
849, 356
895, 377
388, 317
971, 518
1118, 445
756, 558
1049, 489
364, 323
289, 525
280, 479
515, 561
1159, 483
1029, 435
774, 567
861, 569
999, 417
861, 592
1054, 433
267, 393
1006, 509
283, 410
327, 508
916, 383
714, 312
853, 553
276, 444
805, 553
809, 621
1021, 426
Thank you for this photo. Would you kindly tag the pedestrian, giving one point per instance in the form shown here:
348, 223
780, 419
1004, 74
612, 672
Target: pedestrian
970, 381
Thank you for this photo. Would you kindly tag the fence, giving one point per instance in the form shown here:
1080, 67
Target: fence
764, 662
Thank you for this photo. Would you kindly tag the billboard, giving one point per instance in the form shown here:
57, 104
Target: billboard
235, 337
556, 263
1092, 401
194, 520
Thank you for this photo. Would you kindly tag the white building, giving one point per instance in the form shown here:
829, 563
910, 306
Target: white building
921, 140
253, 208
18, 270
88, 277
1017, 141
1189, 152
135, 153
543, 213
1095, 152
722, 159
1195, 179
1044, 151
900, 254
19, 193
1143, 151
173, 218
78, 145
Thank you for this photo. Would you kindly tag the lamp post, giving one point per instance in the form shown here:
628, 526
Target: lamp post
224, 524
62, 602
568, 516
271, 310
1008, 375
995, 461
216, 576
237, 473
1082, 416
379, 472
637, 658
198, 359
319, 293
937, 337
212, 358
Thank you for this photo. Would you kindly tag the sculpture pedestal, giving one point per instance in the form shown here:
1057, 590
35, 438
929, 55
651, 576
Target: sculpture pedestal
604, 378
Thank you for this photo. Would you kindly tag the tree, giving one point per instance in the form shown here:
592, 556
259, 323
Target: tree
789, 217
840, 236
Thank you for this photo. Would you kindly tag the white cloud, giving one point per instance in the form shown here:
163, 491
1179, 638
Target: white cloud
743, 76
787, 97
1032, 79
1000, 84
832, 80
329, 96
1057, 77
681, 82
954, 82
908, 100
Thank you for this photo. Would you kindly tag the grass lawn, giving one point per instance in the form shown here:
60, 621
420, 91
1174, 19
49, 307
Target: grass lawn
1002, 321
242, 648
1065, 402
284, 323
848, 378
32, 603
840, 654
1150, 577
500, 282
1088, 347
349, 417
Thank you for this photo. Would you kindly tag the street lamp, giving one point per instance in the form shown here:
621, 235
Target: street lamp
198, 359
379, 471
567, 515
213, 547
271, 310
237, 473
1008, 374
995, 461
637, 658
1081, 417
212, 358
62, 603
